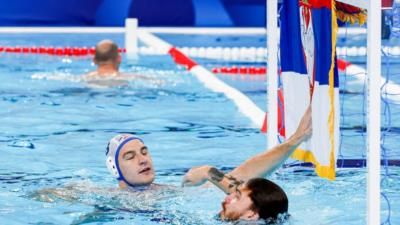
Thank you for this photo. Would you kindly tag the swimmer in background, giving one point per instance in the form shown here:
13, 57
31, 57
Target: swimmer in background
250, 195
108, 59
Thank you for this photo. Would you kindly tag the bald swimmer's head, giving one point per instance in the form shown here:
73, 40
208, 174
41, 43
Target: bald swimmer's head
107, 53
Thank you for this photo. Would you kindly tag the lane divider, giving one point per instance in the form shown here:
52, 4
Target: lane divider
58, 51
242, 70
209, 80
256, 54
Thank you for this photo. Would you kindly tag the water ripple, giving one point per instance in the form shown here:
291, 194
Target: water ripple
22, 144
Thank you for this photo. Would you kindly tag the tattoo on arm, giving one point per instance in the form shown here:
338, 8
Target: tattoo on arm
233, 182
216, 175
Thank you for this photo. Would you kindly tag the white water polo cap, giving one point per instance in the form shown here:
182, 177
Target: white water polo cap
112, 152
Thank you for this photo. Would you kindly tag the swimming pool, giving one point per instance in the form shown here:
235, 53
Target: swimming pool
55, 129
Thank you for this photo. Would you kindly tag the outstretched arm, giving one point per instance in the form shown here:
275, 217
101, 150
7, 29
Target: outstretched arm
257, 166
199, 175
268, 161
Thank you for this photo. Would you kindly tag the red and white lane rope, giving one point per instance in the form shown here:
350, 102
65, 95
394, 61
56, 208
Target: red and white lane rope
247, 54
242, 70
56, 51
244, 104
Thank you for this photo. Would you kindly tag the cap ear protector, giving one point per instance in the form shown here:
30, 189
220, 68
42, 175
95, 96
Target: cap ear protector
112, 152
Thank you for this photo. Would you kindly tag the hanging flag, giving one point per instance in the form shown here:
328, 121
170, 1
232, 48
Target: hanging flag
309, 73
353, 14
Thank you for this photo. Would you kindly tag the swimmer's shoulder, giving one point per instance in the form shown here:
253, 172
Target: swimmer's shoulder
164, 187
135, 76
90, 74
95, 75
152, 187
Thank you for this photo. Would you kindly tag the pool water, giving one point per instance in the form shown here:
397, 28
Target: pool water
55, 129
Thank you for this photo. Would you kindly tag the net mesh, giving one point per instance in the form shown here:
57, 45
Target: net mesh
353, 116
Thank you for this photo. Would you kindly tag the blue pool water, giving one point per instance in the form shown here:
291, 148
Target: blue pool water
55, 129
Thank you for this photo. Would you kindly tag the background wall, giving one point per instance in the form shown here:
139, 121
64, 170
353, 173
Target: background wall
200, 13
